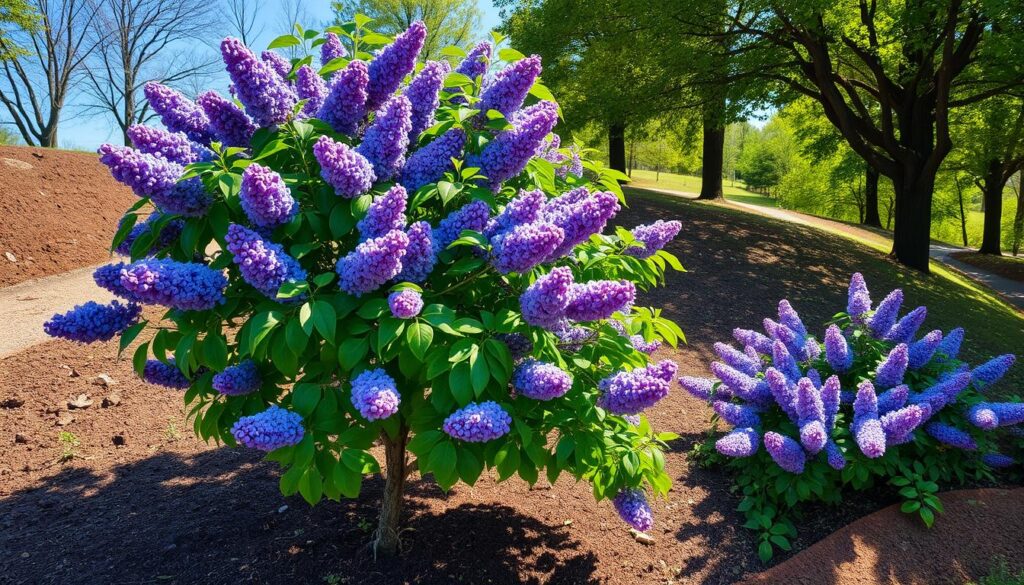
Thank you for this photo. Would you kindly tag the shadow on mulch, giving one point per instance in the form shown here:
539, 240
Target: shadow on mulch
184, 519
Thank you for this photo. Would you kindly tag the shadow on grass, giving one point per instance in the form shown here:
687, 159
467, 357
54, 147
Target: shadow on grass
217, 517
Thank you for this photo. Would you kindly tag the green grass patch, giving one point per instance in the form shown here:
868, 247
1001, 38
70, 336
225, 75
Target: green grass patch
734, 190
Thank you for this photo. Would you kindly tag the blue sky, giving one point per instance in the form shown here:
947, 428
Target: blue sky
87, 132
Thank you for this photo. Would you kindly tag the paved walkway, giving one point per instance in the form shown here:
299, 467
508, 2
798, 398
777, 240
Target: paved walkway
25, 306
1011, 290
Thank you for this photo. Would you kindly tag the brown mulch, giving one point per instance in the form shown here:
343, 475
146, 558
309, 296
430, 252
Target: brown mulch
1005, 266
977, 530
156, 505
59, 208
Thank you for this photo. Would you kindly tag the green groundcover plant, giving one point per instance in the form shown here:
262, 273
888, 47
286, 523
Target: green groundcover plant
870, 405
374, 250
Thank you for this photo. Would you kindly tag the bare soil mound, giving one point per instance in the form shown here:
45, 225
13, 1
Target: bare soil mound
888, 547
59, 210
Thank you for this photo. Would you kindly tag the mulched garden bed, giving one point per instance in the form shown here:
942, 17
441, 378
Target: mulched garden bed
60, 210
139, 500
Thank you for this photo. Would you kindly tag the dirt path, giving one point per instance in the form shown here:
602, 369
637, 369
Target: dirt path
1011, 290
24, 307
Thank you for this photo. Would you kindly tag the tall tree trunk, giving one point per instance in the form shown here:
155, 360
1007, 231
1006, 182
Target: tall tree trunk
912, 230
386, 542
1018, 223
963, 214
993, 198
632, 159
713, 151
871, 198
49, 138
617, 146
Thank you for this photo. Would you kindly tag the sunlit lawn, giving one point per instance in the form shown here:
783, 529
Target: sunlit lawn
734, 190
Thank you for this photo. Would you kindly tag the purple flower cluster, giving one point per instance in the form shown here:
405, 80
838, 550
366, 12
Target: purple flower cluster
310, 87
331, 49
555, 297
375, 394
372, 263
343, 168
525, 246
506, 155
471, 216
167, 375
228, 123
507, 90
518, 344
423, 92
266, 200
633, 391
177, 112
431, 162
173, 146
478, 422
419, 254
243, 378
392, 63
777, 370
599, 299
188, 286
405, 304
540, 380
634, 510
387, 139
386, 213
108, 277
157, 178
653, 237
263, 264
266, 96
580, 214
345, 104
91, 322
476, 61
271, 429
279, 63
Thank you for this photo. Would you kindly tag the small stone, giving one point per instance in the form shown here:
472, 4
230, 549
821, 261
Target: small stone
10, 257
104, 380
567, 523
81, 401
65, 419
12, 402
642, 537
52, 409
113, 399
119, 441
21, 439
282, 509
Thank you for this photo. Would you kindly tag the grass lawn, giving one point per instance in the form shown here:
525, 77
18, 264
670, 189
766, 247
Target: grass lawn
734, 191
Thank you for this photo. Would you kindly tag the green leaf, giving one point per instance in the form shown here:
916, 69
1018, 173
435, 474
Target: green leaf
296, 338
139, 358
764, 551
459, 384
305, 397
215, 352
470, 467
284, 41
419, 337
928, 516
506, 460
352, 351
443, 458
311, 486
479, 372
325, 319
129, 335
348, 481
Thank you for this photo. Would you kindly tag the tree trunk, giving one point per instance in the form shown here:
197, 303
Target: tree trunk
49, 138
714, 158
871, 198
617, 146
912, 231
993, 198
1018, 225
386, 542
963, 214
632, 159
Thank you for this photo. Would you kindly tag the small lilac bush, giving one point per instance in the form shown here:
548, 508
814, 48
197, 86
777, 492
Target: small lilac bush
874, 401
376, 250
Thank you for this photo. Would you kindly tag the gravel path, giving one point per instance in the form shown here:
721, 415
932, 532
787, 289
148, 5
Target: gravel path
24, 307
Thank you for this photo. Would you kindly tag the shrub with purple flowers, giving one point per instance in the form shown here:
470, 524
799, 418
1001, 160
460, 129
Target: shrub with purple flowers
337, 272
874, 402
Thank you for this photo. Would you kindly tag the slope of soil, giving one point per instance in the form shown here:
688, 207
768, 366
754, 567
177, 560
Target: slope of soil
60, 210
140, 500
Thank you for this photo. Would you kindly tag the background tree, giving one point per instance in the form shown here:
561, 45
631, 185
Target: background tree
243, 19
449, 22
35, 81
140, 41
15, 16
915, 60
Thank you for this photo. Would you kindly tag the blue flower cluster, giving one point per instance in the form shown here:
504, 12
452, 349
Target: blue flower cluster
243, 378
271, 429
386, 213
419, 254
632, 506
471, 216
165, 374
91, 321
405, 304
375, 394
167, 236
478, 422
331, 49
188, 286
263, 264
312, 88
431, 162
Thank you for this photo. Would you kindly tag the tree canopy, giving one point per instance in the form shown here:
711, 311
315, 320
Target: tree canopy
449, 22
